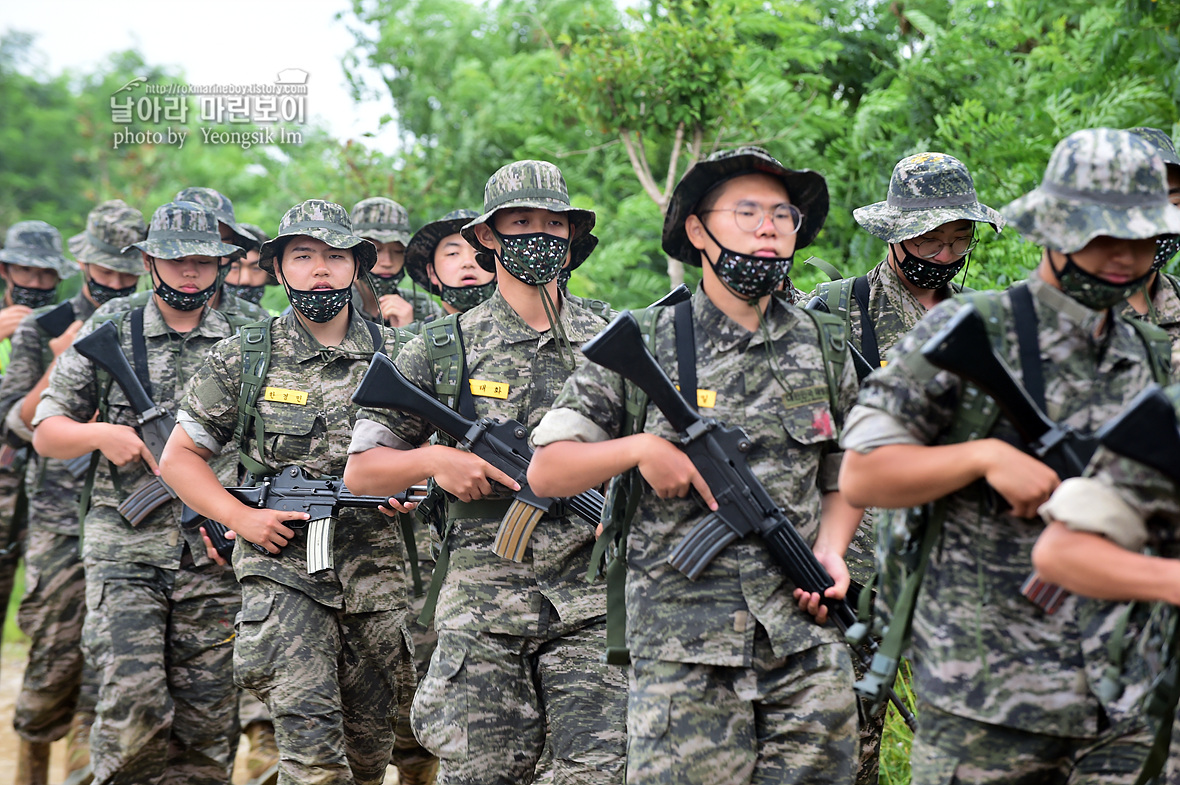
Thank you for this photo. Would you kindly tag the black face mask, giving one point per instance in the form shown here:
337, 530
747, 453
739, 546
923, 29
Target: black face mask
251, 294
748, 276
319, 305
465, 298
33, 298
923, 273
187, 301
1090, 290
535, 259
102, 293
386, 284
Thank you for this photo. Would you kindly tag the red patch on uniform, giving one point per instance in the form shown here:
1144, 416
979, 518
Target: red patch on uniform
822, 424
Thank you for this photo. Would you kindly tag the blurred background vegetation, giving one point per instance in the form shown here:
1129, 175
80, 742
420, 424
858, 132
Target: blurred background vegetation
624, 97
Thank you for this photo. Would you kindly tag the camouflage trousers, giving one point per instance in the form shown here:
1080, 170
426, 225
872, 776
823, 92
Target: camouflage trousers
407, 752
161, 642
784, 719
948, 748
331, 680
250, 709
51, 614
12, 533
487, 700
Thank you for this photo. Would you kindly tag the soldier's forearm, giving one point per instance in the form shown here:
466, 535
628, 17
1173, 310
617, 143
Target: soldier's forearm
1093, 566
909, 475
567, 468
63, 438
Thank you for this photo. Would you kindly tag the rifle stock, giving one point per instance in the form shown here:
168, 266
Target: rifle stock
1146, 432
56, 320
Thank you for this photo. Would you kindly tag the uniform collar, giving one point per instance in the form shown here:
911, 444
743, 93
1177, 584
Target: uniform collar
724, 334
514, 329
213, 323
304, 346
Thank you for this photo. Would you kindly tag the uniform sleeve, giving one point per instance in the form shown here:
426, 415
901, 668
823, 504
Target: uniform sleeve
209, 407
589, 408
73, 385
414, 364
25, 367
908, 400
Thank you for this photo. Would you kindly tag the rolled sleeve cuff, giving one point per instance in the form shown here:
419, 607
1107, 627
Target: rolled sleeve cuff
367, 434
197, 433
566, 425
15, 425
867, 429
46, 408
1086, 504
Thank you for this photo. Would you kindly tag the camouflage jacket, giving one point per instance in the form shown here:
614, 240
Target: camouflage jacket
228, 304
483, 591
1164, 312
52, 491
74, 391
981, 650
712, 620
893, 309
367, 546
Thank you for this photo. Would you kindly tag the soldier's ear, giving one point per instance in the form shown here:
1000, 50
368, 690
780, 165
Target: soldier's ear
483, 233
147, 262
431, 276
695, 231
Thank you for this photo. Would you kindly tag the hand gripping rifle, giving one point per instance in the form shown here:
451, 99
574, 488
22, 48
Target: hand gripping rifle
502, 443
54, 322
294, 490
964, 348
718, 453
155, 424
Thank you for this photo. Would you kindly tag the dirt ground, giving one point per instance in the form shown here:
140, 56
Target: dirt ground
12, 663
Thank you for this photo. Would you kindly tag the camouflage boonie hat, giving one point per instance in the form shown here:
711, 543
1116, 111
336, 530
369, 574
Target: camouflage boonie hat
1162, 142
257, 233
1098, 182
807, 189
420, 251
530, 184
111, 228
220, 205
926, 191
324, 221
35, 244
381, 219
180, 229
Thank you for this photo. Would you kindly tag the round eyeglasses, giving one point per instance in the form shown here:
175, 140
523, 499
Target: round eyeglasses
749, 216
928, 248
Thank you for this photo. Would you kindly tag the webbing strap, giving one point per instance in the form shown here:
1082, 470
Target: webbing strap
1024, 317
139, 350
406, 522
466, 400
686, 353
868, 333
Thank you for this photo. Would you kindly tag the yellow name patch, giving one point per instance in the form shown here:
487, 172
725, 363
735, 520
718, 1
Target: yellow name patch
706, 399
489, 389
279, 395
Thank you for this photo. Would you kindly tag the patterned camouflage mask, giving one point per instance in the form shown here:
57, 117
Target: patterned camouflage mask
185, 301
102, 293
535, 259
1166, 247
923, 273
386, 284
751, 277
33, 298
251, 294
465, 298
319, 305
1090, 290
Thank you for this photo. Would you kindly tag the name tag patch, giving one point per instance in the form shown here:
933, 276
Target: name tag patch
706, 399
280, 395
488, 389
805, 395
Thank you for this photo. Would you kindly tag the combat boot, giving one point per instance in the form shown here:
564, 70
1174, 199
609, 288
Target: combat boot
417, 769
32, 763
262, 763
78, 771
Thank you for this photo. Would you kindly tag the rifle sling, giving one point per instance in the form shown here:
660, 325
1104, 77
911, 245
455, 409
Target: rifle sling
139, 350
464, 398
1024, 317
868, 334
686, 353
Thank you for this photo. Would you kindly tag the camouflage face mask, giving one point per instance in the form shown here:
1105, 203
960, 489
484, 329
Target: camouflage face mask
386, 284
751, 277
319, 305
1090, 290
101, 293
466, 297
33, 298
251, 294
925, 274
185, 301
1166, 247
535, 259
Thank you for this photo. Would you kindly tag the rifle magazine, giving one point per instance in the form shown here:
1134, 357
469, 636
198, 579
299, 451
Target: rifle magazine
319, 545
141, 502
700, 545
215, 531
512, 539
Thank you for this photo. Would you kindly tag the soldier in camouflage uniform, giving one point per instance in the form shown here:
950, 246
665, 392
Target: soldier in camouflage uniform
159, 612
1159, 302
1007, 690
246, 279
386, 224
51, 700
519, 644
327, 651
730, 682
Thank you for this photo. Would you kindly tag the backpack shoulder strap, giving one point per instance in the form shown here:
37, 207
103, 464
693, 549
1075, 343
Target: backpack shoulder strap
255, 340
444, 350
833, 345
1159, 348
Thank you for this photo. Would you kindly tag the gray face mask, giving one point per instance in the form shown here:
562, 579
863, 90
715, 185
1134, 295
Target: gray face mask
1090, 290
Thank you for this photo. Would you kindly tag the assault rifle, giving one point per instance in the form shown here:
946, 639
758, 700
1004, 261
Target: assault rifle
502, 443
155, 424
718, 453
294, 490
964, 348
1146, 432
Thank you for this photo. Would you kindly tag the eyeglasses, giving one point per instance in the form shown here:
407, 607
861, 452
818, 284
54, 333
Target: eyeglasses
749, 216
928, 247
